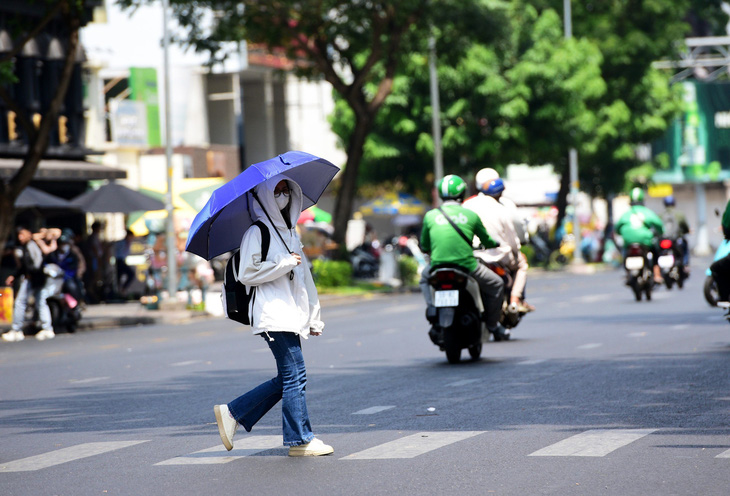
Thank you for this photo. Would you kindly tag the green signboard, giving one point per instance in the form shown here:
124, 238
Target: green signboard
698, 143
143, 88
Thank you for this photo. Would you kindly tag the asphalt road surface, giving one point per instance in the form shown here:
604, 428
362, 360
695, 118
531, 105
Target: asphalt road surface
596, 394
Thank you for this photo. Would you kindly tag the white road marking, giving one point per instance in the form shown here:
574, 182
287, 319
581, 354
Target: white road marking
90, 379
592, 298
373, 409
724, 454
598, 442
532, 362
637, 334
463, 382
680, 327
64, 455
218, 454
184, 364
412, 446
590, 346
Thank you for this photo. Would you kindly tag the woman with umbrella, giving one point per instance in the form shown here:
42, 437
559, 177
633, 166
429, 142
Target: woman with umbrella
286, 308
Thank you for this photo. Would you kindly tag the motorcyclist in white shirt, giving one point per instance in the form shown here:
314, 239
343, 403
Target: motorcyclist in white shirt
499, 222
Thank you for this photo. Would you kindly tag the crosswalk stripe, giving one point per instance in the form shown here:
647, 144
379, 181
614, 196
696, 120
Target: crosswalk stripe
218, 454
64, 455
724, 454
412, 446
373, 409
463, 382
597, 442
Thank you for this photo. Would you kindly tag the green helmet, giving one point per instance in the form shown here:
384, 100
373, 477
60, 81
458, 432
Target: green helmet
637, 195
451, 187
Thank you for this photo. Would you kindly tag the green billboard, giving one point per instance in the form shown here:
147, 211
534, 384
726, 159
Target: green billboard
143, 88
697, 144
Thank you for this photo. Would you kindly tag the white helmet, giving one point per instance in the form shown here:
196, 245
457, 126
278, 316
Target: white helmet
484, 177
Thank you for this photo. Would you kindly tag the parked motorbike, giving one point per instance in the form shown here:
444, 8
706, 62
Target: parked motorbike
638, 266
65, 308
710, 287
671, 262
455, 316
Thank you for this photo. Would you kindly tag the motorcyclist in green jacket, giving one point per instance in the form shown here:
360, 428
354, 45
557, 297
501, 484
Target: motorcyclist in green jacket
641, 225
447, 247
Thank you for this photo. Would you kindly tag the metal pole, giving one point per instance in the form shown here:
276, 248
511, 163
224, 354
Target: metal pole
438, 161
573, 153
170, 228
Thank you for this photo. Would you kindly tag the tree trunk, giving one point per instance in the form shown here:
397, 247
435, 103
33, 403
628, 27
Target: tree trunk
348, 185
11, 189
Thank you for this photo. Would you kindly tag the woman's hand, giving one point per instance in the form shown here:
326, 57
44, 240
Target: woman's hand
298, 258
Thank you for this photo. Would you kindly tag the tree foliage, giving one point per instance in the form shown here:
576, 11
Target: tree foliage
360, 47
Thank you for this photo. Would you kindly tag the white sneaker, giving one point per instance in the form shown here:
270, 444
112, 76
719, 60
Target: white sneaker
227, 425
313, 448
45, 334
12, 336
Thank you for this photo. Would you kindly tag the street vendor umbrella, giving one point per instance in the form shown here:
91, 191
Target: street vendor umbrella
32, 197
218, 227
314, 214
113, 197
394, 204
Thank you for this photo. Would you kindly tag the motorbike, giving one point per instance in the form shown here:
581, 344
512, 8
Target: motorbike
66, 311
508, 319
455, 315
710, 286
638, 266
671, 262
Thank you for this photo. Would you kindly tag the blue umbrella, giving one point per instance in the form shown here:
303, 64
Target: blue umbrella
219, 226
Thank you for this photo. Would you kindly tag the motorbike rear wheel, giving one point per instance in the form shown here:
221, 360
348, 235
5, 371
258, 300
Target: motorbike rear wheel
710, 291
637, 290
475, 351
453, 354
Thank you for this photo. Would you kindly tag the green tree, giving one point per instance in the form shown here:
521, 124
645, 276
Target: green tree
73, 14
359, 47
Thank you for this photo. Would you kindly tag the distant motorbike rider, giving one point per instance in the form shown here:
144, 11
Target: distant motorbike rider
676, 227
641, 225
498, 222
447, 247
68, 260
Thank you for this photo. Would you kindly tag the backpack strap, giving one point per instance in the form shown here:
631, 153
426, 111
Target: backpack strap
265, 238
461, 233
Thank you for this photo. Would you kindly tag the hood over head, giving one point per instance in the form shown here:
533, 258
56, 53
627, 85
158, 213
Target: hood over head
265, 193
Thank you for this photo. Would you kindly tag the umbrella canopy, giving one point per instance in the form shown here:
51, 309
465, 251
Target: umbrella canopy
394, 204
218, 227
34, 198
314, 214
113, 197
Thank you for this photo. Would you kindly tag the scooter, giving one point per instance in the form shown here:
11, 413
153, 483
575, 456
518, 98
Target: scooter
710, 287
508, 318
671, 263
638, 266
455, 315
65, 308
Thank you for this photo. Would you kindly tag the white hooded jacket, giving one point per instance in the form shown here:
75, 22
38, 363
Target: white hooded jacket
498, 222
283, 302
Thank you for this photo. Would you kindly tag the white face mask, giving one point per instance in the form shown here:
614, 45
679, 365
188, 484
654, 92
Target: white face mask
282, 201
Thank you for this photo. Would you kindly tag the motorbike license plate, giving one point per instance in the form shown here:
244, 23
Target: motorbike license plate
446, 298
666, 261
634, 263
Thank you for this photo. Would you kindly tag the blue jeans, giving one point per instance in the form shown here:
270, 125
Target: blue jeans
289, 386
21, 303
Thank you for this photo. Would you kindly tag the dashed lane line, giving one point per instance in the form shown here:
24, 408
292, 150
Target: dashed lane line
724, 454
218, 454
597, 442
373, 409
412, 446
64, 455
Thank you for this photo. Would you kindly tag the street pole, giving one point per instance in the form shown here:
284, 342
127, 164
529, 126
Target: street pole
438, 161
170, 228
573, 154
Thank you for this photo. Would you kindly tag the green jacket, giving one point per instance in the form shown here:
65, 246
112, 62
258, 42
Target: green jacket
446, 246
639, 225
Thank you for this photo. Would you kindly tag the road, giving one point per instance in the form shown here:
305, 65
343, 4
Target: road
596, 394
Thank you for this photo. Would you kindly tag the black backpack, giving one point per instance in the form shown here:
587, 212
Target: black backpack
236, 300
